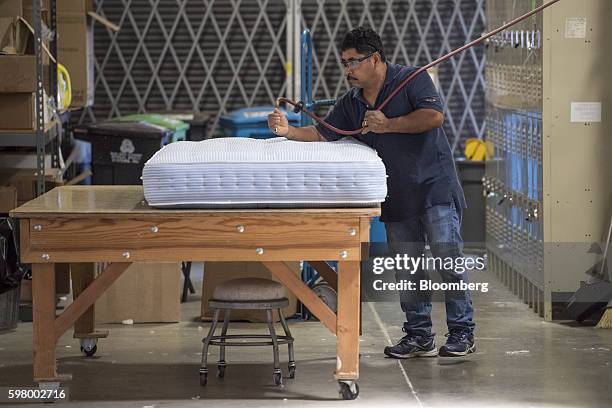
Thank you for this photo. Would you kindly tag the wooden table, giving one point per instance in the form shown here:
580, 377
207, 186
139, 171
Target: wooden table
87, 224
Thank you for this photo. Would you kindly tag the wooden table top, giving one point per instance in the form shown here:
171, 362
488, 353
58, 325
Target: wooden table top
120, 201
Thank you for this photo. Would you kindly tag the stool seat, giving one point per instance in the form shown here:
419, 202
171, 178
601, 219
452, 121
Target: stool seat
248, 293
248, 290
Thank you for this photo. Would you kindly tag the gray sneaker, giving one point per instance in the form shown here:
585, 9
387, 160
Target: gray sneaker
411, 346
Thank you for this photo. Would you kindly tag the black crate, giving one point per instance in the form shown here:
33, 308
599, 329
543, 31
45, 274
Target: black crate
119, 150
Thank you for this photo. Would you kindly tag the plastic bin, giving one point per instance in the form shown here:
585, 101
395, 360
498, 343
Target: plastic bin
119, 150
178, 127
253, 122
9, 309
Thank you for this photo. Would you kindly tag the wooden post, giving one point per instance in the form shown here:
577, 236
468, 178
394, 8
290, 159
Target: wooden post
347, 332
284, 274
327, 273
43, 309
82, 275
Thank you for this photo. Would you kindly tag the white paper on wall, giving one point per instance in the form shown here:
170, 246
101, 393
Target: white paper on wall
588, 112
575, 27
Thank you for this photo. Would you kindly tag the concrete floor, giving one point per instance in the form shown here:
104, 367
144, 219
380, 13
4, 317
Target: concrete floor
521, 361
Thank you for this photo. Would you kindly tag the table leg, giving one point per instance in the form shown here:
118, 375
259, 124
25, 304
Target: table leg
43, 309
82, 275
347, 331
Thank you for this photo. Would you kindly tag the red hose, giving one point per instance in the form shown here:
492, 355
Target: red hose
419, 71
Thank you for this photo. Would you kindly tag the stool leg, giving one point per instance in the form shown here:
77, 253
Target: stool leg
221, 365
211, 333
278, 375
289, 344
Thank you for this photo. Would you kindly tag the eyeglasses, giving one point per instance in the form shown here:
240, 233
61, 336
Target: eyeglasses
353, 63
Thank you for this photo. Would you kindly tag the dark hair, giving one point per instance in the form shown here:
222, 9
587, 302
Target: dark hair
364, 40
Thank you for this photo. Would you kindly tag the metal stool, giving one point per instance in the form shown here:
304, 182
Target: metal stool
248, 293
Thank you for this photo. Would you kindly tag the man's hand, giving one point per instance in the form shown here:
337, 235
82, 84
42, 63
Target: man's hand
375, 121
278, 123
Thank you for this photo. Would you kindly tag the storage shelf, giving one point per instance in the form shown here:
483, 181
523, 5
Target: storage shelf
26, 138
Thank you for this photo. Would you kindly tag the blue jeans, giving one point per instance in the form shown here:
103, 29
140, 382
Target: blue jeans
440, 227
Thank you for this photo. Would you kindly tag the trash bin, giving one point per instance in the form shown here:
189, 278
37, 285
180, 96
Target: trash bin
10, 275
178, 127
253, 122
473, 225
119, 150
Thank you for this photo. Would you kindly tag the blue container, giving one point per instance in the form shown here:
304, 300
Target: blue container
253, 122
378, 233
378, 238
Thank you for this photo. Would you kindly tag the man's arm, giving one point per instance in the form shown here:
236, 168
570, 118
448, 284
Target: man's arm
279, 125
305, 134
418, 121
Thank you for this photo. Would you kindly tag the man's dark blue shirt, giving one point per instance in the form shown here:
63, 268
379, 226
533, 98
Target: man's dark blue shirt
420, 167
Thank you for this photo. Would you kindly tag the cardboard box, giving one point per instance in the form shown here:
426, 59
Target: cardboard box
23, 160
11, 8
216, 273
75, 6
27, 10
17, 38
19, 111
75, 52
18, 74
145, 293
14, 36
22, 8
8, 198
62, 284
25, 182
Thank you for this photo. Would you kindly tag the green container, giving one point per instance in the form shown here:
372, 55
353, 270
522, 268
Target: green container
178, 127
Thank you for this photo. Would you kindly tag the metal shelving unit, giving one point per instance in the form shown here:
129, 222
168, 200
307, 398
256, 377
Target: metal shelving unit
15, 138
41, 134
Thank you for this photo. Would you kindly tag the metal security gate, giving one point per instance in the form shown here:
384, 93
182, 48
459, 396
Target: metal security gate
414, 33
218, 55
178, 55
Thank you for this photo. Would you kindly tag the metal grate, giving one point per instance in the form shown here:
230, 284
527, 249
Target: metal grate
179, 55
218, 55
414, 33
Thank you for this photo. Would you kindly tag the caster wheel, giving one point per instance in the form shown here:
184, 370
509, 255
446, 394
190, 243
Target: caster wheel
49, 386
89, 347
291, 370
221, 371
203, 379
349, 390
278, 378
89, 352
327, 294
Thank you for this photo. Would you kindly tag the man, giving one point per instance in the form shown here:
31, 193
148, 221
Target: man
425, 199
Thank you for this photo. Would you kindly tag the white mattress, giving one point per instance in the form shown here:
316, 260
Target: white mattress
238, 172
